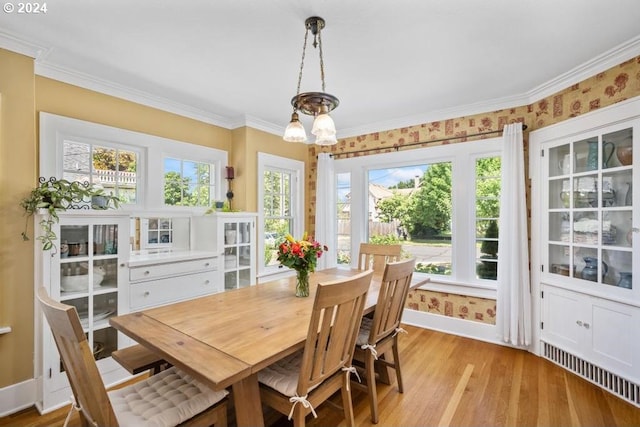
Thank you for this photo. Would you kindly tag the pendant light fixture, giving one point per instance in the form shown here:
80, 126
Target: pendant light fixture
317, 104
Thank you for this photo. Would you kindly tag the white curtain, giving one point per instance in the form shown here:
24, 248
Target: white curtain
325, 210
513, 319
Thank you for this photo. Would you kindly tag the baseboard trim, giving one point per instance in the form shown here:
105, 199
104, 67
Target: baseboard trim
451, 325
17, 397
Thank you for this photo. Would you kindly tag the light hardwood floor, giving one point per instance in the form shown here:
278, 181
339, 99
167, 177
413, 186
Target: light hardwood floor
454, 381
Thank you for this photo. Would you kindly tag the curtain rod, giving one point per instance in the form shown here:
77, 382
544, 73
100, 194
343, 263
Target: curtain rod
396, 147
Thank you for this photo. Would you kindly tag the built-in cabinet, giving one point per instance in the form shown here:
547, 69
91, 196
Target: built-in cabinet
234, 236
86, 268
92, 267
585, 240
161, 278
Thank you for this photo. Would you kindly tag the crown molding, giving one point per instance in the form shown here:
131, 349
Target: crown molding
434, 116
260, 124
13, 43
45, 69
619, 54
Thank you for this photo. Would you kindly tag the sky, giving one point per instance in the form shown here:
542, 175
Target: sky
384, 177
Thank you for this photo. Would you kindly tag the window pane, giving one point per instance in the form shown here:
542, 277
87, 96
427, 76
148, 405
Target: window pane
112, 168
487, 211
344, 217
412, 205
188, 183
75, 157
277, 213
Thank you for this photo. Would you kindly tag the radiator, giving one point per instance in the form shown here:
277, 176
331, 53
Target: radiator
613, 383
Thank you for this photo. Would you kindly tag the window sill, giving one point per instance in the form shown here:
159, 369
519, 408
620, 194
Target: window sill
439, 284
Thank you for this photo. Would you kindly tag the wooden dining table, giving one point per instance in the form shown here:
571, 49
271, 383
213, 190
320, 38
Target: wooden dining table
224, 339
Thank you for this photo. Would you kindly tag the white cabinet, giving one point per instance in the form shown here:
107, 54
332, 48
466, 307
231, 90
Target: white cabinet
85, 269
233, 235
584, 239
595, 329
173, 276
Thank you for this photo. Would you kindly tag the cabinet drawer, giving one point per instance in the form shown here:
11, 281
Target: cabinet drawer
152, 272
162, 291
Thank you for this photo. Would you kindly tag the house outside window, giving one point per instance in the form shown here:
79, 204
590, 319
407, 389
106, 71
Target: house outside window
112, 168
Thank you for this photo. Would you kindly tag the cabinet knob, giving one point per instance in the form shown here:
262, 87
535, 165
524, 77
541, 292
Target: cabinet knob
579, 322
146, 273
207, 264
206, 282
586, 325
147, 293
123, 265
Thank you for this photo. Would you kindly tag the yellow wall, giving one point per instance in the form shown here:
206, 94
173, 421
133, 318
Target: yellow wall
17, 177
247, 143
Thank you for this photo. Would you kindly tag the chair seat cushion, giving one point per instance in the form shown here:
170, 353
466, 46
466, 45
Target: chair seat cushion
165, 399
365, 330
282, 376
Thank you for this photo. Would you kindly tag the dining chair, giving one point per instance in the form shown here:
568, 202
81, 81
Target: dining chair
169, 398
298, 383
379, 334
377, 256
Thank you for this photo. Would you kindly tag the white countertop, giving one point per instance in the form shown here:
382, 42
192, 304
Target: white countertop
161, 256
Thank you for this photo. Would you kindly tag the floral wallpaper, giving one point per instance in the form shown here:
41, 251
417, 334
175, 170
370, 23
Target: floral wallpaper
614, 85
481, 310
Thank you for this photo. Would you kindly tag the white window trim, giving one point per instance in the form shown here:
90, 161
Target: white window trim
270, 161
152, 150
463, 157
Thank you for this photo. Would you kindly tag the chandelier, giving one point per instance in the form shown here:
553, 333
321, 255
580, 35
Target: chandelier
317, 104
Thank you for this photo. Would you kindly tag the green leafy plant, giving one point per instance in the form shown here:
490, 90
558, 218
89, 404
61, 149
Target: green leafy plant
488, 268
52, 195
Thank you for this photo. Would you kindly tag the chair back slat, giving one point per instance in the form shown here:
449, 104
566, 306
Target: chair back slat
333, 329
394, 289
80, 366
376, 256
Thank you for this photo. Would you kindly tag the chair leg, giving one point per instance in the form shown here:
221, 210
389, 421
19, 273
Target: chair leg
396, 363
347, 404
222, 416
371, 386
299, 416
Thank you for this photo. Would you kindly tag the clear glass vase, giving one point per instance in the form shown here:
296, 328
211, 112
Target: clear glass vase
302, 283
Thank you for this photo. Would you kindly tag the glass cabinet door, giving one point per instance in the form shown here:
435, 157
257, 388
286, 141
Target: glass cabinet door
590, 208
88, 274
238, 241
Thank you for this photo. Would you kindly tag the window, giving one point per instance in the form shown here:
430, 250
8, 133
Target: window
279, 205
487, 212
188, 183
442, 205
343, 214
115, 169
132, 165
412, 204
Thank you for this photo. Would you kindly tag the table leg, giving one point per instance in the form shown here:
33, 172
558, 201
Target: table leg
246, 398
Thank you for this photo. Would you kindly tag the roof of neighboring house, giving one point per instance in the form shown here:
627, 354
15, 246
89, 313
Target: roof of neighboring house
379, 192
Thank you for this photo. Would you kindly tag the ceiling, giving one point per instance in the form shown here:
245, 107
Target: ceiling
391, 63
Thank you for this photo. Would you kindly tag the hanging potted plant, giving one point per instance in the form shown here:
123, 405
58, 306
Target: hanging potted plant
52, 195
